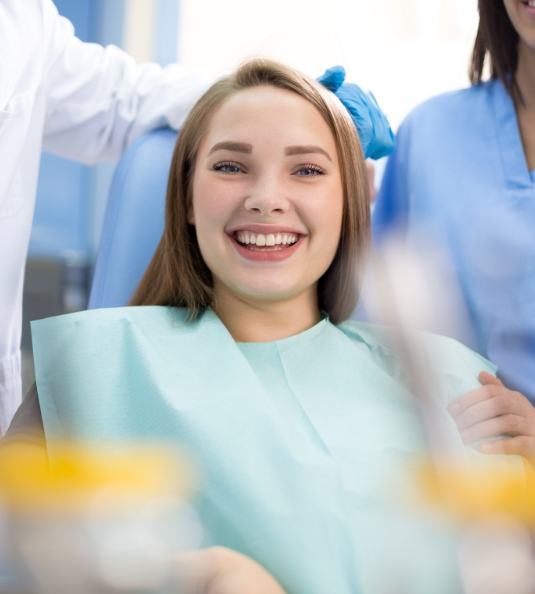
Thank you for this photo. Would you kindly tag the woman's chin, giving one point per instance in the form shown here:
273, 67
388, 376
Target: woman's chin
264, 292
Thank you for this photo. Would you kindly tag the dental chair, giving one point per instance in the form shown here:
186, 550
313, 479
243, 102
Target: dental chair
134, 218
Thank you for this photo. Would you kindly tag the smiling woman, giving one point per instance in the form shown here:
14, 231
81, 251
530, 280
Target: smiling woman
295, 418
267, 203
282, 198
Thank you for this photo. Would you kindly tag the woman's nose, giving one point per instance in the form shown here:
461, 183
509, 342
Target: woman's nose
267, 198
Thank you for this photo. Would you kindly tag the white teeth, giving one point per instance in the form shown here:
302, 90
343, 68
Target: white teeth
531, 3
288, 238
270, 240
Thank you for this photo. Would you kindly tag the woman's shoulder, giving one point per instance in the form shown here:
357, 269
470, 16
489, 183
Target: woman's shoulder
373, 335
104, 334
118, 314
380, 336
446, 356
454, 106
103, 320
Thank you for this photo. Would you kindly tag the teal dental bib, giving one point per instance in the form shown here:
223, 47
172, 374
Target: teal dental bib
304, 455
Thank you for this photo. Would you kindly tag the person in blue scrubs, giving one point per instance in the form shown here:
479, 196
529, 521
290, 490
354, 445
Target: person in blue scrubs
463, 172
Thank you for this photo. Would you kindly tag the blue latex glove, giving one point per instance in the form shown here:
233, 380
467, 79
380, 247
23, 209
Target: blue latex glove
376, 136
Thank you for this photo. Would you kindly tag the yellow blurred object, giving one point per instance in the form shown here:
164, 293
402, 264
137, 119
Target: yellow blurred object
74, 472
475, 491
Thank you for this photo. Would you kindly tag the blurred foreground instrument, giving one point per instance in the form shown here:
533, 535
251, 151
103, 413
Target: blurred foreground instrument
491, 500
94, 519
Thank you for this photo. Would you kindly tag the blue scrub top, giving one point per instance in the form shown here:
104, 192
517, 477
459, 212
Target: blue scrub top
459, 174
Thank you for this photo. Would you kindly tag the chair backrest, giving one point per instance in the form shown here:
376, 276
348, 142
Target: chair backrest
133, 222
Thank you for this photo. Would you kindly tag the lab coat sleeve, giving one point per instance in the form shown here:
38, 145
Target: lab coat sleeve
99, 99
391, 208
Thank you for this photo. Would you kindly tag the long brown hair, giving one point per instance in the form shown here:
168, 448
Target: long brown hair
178, 275
496, 40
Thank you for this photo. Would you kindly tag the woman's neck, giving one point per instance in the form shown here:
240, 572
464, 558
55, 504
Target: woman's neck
525, 78
251, 321
525, 74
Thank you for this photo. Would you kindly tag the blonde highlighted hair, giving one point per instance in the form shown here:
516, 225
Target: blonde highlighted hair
177, 274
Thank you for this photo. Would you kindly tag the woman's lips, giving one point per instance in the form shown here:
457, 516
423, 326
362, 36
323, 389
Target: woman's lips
529, 7
266, 253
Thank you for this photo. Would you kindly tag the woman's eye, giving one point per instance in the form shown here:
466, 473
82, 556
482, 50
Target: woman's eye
309, 171
228, 167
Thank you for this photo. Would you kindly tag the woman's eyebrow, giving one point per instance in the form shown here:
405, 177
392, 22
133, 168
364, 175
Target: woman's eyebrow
305, 149
229, 145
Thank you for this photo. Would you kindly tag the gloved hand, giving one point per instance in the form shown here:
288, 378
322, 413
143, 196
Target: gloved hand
376, 136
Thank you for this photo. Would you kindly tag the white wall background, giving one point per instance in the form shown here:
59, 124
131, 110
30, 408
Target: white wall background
403, 50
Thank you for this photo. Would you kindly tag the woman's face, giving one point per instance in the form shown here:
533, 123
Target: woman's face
522, 17
267, 196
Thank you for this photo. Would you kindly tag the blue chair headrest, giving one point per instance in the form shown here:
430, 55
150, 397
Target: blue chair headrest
134, 218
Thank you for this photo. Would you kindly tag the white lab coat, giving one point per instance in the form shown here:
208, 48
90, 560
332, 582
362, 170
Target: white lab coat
75, 99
